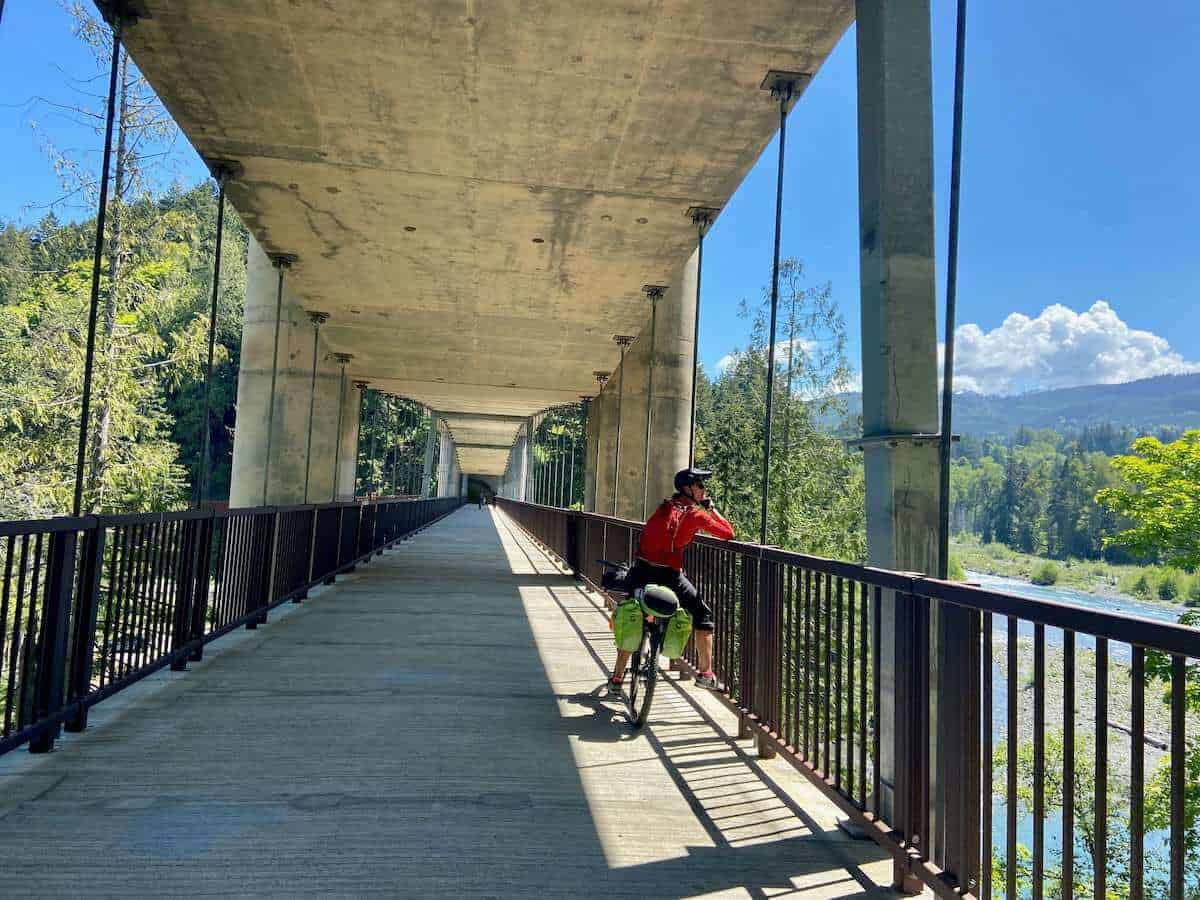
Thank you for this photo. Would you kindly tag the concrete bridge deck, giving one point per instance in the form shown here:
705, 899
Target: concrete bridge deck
430, 726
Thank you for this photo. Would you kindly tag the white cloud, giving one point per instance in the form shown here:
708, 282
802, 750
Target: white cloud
1060, 348
782, 353
725, 362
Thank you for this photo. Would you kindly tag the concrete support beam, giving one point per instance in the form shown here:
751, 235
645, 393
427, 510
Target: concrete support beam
290, 421
899, 340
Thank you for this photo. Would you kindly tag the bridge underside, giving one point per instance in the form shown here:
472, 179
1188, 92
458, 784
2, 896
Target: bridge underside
478, 192
430, 726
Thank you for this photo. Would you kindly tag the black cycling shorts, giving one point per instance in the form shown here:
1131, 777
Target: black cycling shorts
643, 573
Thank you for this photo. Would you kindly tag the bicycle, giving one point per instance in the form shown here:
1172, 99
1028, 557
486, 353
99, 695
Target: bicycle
658, 605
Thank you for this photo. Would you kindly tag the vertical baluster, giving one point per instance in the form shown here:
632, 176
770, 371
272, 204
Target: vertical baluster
1178, 775
827, 612
806, 625
836, 648
1137, 774
1101, 840
1010, 794
1039, 758
850, 717
1068, 782
862, 701
876, 655
8, 639
986, 722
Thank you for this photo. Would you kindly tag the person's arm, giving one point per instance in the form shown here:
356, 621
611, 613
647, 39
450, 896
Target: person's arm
715, 524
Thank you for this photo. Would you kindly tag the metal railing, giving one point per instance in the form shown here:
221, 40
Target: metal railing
90, 605
800, 647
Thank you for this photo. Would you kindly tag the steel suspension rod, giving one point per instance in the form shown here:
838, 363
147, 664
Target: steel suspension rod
783, 92
97, 257
201, 490
951, 299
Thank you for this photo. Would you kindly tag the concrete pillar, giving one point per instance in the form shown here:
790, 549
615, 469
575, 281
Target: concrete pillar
643, 486
899, 339
347, 458
589, 455
606, 445
445, 460
427, 465
520, 468
640, 486
290, 423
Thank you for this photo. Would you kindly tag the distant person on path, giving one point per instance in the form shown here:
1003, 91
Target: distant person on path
665, 536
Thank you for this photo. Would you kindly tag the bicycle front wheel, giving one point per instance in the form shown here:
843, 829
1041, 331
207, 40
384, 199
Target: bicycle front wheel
645, 677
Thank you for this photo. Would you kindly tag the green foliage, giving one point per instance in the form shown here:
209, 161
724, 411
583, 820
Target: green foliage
1162, 500
956, 570
1045, 574
149, 367
816, 488
392, 438
557, 474
1170, 587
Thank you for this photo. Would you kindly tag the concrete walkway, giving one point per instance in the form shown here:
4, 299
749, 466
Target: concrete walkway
428, 727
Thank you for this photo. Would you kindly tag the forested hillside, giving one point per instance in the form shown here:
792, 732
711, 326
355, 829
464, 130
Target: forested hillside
1136, 407
150, 354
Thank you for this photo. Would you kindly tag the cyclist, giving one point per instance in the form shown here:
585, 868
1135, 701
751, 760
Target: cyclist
666, 534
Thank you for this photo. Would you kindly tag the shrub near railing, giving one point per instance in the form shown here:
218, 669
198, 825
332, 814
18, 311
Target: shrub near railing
800, 647
90, 605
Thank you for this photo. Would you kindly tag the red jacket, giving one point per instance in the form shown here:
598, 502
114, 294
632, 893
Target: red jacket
672, 527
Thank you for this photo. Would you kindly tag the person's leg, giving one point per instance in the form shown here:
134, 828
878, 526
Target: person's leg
619, 666
704, 647
639, 576
702, 626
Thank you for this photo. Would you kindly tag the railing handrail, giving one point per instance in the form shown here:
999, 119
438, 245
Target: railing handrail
802, 645
1169, 637
92, 604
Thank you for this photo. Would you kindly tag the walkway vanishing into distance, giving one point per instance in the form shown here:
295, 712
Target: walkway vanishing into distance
430, 726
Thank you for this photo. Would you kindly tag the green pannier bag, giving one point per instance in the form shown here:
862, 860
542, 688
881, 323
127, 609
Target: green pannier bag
627, 625
679, 629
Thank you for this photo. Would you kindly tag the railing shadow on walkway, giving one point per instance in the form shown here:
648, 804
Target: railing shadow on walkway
763, 840
393, 737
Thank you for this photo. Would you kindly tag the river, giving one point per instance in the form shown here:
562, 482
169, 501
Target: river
1116, 603
1156, 842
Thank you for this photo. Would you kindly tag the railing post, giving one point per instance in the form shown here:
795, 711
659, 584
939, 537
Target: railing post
52, 643
745, 688
958, 812
185, 590
769, 623
266, 575
205, 530
910, 789
87, 610
309, 556
575, 532
337, 556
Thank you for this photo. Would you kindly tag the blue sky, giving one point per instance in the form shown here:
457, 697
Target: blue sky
1079, 185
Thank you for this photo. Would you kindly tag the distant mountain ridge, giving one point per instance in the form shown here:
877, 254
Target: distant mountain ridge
1171, 401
